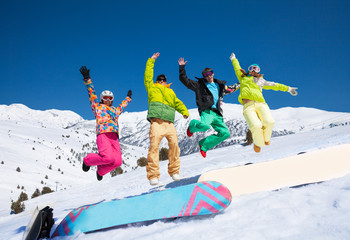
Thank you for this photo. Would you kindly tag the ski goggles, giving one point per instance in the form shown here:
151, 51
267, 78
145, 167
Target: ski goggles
254, 68
107, 98
161, 80
208, 73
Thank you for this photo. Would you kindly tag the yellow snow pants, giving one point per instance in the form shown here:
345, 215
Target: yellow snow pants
160, 129
259, 120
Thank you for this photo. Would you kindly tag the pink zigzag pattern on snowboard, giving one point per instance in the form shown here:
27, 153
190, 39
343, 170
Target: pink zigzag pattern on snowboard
223, 191
204, 204
73, 217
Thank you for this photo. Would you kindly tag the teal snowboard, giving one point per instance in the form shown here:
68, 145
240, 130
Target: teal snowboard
203, 198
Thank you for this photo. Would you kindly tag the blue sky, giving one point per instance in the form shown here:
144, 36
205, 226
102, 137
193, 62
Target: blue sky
43, 44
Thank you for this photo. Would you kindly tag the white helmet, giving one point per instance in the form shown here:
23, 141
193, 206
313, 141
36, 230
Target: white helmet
106, 93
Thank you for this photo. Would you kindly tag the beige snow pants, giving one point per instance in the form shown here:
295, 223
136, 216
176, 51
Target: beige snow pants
159, 129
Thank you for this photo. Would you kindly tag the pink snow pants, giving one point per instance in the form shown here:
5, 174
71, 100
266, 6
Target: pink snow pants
109, 156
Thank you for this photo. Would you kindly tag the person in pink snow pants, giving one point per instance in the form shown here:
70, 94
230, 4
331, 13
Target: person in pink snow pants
109, 155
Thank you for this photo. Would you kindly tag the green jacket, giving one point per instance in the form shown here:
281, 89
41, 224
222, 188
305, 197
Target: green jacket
251, 87
162, 101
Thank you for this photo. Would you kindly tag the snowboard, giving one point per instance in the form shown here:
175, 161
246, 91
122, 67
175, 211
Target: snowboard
40, 224
299, 170
33, 228
202, 198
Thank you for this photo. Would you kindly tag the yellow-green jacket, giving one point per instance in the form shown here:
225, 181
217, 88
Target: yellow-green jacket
251, 87
162, 101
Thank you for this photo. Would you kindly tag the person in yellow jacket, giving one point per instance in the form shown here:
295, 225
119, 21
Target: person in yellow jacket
162, 104
255, 110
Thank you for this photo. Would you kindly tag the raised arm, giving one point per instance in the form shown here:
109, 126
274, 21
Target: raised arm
148, 79
190, 84
89, 86
124, 103
236, 66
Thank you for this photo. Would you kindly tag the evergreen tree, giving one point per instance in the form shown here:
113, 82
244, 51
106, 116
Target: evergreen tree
36, 193
22, 197
142, 162
163, 154
17, 207
116, 171
46, 190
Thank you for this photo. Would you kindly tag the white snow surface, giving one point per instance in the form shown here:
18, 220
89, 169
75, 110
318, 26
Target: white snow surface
316, 211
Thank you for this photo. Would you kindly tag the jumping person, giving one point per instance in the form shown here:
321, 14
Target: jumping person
162, 104
255, 110
209, 95
107, 129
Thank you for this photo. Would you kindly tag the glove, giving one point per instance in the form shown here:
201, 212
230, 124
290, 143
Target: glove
232, 88
293, 91
85, 72
129, 93
233, 56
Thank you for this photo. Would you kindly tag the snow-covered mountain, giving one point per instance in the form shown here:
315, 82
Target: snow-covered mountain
50, 118
289, 120
45, 148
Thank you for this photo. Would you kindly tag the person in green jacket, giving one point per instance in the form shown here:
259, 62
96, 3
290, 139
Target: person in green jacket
162, 104
255, 110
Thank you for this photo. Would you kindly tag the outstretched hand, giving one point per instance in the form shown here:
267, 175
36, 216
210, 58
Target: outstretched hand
129, 93
155, 55
85, 72
233, 56
182, 61
292, 90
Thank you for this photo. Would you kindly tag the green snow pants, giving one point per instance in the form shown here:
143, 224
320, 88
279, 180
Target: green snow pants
210, 118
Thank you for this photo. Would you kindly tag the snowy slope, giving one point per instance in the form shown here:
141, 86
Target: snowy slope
48, 146
35, 140
320, 211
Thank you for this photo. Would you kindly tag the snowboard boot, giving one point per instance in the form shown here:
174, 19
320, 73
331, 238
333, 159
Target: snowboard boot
203, 153
85, 167
176, 177
99, 177
189, 134
256, 148
154, 181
